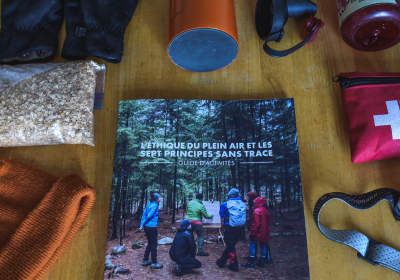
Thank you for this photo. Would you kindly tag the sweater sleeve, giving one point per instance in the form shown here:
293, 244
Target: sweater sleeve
204, 213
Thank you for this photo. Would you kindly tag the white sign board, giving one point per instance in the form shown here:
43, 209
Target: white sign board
212, 209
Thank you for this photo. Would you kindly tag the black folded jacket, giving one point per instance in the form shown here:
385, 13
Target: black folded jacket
29, 29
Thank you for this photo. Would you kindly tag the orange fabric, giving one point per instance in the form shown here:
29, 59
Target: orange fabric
39, 215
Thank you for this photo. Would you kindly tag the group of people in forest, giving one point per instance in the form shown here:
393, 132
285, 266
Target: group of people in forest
233, 215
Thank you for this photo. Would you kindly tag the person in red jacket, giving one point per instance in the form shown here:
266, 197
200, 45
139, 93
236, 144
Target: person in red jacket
260, 222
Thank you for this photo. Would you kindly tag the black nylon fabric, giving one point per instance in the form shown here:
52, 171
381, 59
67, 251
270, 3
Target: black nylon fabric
29, 28
96, 28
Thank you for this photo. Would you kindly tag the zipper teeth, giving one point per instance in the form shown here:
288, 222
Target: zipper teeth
352, 82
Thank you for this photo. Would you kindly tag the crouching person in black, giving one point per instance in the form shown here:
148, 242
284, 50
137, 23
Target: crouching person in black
183, 249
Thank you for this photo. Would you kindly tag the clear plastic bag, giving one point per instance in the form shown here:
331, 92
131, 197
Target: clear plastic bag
48, 104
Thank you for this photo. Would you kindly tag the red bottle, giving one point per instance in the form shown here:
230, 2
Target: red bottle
369, 25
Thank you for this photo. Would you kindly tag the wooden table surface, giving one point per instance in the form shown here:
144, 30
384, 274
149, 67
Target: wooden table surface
147, 72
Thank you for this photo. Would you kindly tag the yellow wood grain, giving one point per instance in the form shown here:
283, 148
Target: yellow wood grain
147, 72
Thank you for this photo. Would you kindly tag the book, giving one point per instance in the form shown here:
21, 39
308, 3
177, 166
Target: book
179, 148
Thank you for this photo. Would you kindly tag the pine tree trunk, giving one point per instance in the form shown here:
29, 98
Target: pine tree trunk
115, 210
141, 204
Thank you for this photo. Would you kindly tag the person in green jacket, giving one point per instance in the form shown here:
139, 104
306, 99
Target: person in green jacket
195, 211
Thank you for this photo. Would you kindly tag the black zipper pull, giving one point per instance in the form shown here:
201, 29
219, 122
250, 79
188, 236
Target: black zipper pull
344, 82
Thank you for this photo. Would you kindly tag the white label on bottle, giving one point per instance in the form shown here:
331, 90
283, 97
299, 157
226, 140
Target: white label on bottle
347, 7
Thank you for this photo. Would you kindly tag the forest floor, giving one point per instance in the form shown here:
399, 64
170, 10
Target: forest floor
288, 249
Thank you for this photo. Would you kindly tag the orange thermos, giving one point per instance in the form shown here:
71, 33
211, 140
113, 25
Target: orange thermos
202, 34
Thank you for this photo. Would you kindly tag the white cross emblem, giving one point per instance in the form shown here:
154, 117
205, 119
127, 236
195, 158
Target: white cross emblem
392, 119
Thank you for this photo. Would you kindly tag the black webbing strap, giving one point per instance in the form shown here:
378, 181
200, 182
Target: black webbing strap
368, 249
275, 53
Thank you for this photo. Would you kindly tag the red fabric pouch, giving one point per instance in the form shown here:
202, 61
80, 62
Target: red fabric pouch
371, 103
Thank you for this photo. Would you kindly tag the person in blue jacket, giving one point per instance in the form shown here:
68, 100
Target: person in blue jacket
149, 223
232, 233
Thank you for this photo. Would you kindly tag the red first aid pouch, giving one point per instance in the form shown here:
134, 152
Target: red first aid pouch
371, 103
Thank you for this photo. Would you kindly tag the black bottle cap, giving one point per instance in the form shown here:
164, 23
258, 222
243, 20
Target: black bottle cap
272, 15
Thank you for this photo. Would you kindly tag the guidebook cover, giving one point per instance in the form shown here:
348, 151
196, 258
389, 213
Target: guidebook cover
179, 148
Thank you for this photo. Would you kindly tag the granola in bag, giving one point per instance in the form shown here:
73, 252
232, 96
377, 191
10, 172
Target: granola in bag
47, 104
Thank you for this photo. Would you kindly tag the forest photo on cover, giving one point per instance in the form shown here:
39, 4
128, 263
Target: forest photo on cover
183, 148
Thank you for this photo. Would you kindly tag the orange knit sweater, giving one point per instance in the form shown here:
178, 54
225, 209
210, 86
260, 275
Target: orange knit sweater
39, 215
